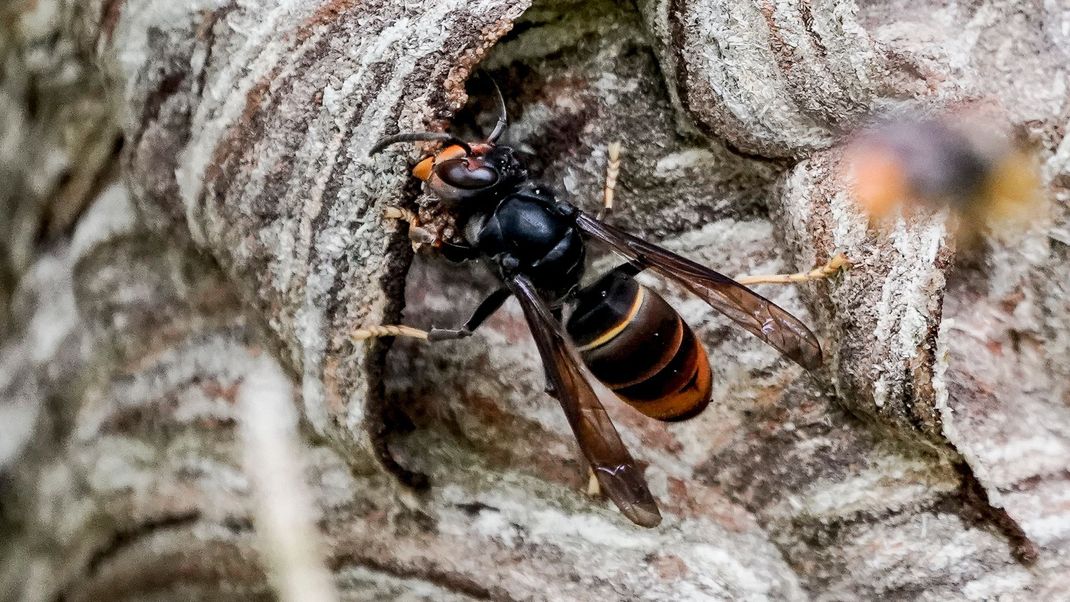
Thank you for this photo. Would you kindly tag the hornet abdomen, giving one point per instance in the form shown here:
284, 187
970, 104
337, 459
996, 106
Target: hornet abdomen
639, 347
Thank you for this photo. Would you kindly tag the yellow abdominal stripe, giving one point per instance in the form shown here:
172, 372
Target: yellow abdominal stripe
608, 335
1013, 188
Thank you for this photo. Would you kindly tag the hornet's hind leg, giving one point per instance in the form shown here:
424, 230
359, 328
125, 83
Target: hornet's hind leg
838, 263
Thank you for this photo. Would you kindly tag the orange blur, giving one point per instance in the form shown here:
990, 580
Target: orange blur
946, 163
879, 182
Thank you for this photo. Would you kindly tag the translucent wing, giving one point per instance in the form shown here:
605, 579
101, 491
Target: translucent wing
755, 313
614, 467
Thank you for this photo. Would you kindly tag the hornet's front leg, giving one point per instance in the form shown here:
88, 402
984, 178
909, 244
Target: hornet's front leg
417, 235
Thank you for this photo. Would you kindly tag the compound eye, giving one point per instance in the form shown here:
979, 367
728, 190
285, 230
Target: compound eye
460, 173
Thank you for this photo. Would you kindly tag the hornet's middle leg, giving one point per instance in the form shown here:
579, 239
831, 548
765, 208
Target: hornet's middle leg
393, 416
486, 308
612, 172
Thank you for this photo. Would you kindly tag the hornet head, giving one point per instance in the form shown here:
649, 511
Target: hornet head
465, 171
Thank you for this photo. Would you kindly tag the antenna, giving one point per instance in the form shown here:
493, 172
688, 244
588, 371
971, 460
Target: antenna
503, 117
420, 137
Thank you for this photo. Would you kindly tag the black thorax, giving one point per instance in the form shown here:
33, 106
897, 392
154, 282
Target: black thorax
531, 233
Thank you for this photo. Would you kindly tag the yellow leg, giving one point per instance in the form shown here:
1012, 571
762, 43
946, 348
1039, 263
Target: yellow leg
594, 488
388, 330
417, 235
394, 330
838, 263
400, 330
399, 213
612, 172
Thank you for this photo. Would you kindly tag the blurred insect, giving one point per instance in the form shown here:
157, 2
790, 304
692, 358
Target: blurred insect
957, 163
619, 331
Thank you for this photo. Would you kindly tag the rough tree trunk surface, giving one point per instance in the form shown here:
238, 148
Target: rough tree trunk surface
223, 254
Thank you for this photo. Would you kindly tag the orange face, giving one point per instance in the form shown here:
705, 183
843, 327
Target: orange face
462, 172
425, 168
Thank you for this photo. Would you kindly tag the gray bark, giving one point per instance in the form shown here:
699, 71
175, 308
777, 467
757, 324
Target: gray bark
154, 324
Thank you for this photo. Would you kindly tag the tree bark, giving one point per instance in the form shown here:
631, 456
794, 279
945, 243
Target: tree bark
163, 305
